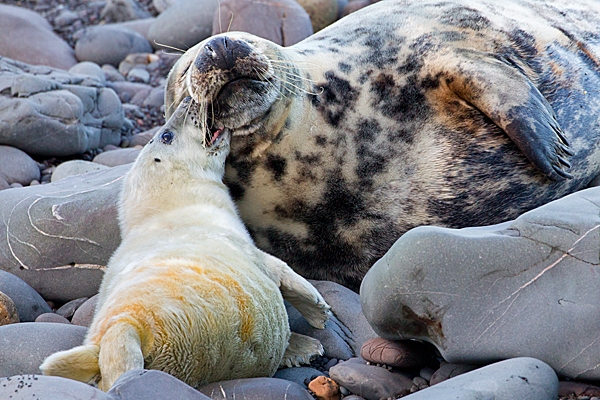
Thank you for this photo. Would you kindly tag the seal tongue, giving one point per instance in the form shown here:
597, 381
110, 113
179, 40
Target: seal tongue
216, 135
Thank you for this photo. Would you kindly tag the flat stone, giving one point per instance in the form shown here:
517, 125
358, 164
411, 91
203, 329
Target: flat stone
117, 157
52, 237
518, 378
143, 384
51, 113
370, 381
283, 22
522, 288
577, 389
84, 314
8, 311
48, 388
53, 318
256, 389
184, 24
28, 302
17, 166
24, 346
26, 36
348, 310
75, 167
109, 44
69, 308
297, 374
448, 371
89, 69
400, 354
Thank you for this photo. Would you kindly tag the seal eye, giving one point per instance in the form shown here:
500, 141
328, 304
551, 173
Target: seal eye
167, 137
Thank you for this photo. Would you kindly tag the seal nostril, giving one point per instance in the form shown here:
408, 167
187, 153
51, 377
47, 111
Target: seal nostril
222, 53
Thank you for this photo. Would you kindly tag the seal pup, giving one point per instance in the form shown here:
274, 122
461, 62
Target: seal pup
187, 291
405, 113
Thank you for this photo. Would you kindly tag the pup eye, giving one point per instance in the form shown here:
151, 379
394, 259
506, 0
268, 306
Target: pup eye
167, 137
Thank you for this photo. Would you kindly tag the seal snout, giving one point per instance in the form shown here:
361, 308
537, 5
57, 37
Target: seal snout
222, 53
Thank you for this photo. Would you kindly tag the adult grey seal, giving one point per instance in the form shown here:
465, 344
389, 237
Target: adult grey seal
454, 113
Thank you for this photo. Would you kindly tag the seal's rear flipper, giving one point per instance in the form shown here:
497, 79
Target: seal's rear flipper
120, 351
301, 349
79, 363
298, 291
505, 95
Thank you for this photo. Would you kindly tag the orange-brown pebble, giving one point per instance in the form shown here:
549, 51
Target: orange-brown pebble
325, 388
8, 311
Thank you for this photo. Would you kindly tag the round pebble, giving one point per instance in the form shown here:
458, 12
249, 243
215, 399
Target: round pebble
52, 317
8, 311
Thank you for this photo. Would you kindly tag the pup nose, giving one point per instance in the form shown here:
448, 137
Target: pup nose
222, 52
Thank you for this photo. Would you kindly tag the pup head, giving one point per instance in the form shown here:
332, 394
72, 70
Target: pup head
171, 169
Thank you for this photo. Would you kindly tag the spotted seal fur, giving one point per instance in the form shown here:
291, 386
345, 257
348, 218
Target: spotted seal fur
408, 112
187, 291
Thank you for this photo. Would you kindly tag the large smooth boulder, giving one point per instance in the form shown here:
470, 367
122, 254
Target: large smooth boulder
523, 288
26, 36
28, 302
283, 22
57, 237
24, 346
110, 44
48, 388
183, 24
518, 378
51, 113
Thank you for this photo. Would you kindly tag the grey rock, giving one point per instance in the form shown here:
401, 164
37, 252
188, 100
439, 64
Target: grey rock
26, 36
89, 68
256, 389
483, 294
335, 338
347, 308
24, 346
28, 302
129, 90
143, 384
17, 166
84, 314
141, 139
58, 237
112, 73
448, 371
21, 387
184, 24
123, 10
53, 318
518, 378
370, 381
162, 5
141, 26
297, 374
117, 157
69, 308
155, 99
283, 22
65, 18
75, 167
138, 75
51, 113
3, 184
346, 330
109, 44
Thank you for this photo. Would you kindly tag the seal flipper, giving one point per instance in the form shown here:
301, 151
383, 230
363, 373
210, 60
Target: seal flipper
297, 290
511, 101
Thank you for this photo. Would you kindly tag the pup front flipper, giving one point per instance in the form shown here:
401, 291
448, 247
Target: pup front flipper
300, 350
298, 291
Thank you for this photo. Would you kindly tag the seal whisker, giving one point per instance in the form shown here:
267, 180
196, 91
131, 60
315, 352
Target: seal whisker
169, 47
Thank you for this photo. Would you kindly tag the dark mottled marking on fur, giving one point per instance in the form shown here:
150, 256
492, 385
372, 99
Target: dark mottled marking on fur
402, 102
345, 67
466, 18
337, 96
277, 165
320, 140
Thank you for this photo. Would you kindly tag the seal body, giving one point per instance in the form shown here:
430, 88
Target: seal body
453, 113
187, 291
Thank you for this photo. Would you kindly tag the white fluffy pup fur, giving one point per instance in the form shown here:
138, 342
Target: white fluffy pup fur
187, 291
